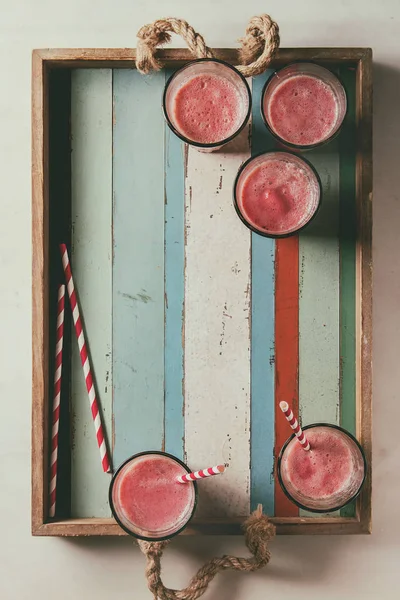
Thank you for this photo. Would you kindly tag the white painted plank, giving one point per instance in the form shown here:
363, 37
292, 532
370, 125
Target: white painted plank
91, 128
217, 330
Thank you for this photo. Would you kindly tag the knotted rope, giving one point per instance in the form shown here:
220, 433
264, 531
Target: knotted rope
258, 532
257, 49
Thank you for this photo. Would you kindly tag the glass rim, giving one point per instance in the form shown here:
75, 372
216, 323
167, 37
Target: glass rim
180, 135
322, 510
111, 502
264, 233
282, 140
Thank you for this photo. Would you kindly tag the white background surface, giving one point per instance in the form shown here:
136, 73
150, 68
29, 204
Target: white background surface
312, 568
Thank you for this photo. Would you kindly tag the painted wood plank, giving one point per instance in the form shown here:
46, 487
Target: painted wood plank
91, 164
319, 298
262, 336
138, 263
286, 350
319, 301
348, 236
217, 330
174, 291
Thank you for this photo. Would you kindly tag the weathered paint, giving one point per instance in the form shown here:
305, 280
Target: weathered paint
319, 298
348, 236
91, 163
138, 266
174, 292
217, 330
262, 336
286, 350
214, 249
319, 301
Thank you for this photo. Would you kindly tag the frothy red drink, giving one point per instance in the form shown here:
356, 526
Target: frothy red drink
207, 109
304, 105
147, 499
327, 475
277, 193
206, 103
302, 110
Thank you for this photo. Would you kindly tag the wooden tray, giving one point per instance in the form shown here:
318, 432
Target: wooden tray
197, 327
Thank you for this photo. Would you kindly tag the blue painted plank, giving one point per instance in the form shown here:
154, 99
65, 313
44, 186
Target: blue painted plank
262, 337
174, 291
138, 263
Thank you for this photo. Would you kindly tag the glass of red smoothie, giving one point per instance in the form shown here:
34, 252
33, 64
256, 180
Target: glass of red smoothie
326, 477
276, 194
146, 499
303, 105
206, 103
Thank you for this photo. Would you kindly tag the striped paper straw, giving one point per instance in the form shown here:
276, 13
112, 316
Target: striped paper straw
202, 474
87, 371
56, 399
287, 411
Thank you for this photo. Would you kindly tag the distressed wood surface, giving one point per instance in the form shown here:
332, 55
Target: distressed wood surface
138, 264
220, 520
40, 294
319, 298
208, 526
174, 292
217, 330
91, 165
364, 200
262, 335
319, 309
70, 58
286, 350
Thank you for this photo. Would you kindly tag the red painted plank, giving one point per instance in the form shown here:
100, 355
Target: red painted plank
286, 351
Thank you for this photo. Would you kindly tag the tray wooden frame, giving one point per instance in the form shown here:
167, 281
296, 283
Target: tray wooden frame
43, 62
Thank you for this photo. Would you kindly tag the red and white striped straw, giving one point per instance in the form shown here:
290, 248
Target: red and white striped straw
287, 411
87, 371
202, 474
56, 399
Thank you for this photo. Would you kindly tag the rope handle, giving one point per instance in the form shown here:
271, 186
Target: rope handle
258, 46
258, 532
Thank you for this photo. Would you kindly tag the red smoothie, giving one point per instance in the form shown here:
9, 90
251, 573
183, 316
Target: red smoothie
325, 469
327, 475
148, 499
207, 109
302, 110
277, 193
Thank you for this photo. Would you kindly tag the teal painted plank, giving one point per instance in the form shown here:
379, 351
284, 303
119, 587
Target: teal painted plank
262, 337
348, 233
319, 302
91, 166
138, 265
174, 291
319, 298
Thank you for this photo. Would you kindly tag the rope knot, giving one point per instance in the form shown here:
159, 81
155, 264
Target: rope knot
153, 35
